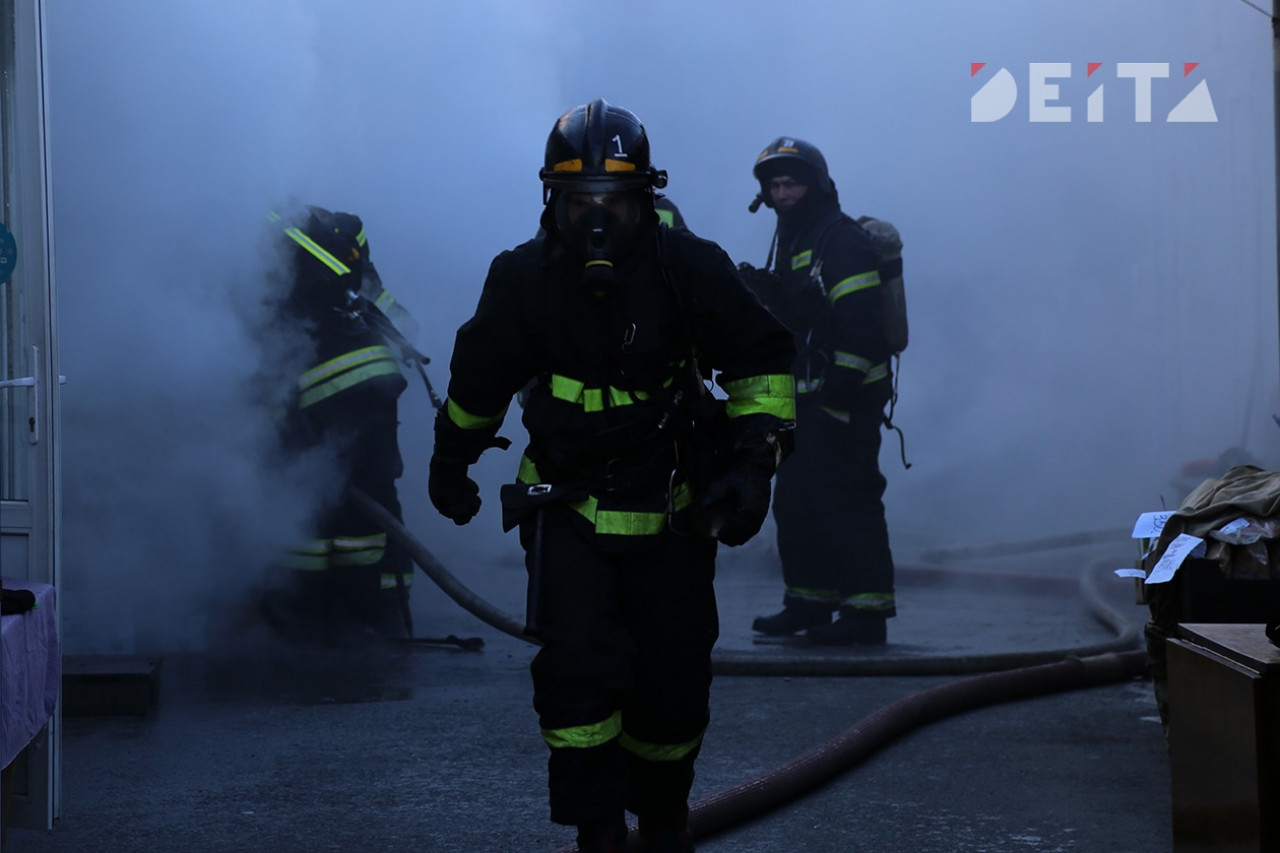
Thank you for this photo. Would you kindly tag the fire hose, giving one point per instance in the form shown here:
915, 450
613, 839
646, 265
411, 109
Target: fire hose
1004, 677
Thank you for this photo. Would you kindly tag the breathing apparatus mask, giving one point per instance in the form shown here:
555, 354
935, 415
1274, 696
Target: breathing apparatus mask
601, 229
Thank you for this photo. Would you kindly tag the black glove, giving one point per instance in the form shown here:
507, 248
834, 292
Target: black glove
455, 495
736, 505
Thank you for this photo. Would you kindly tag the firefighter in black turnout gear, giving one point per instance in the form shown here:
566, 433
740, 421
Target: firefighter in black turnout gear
632, 472
344, 583
824, 285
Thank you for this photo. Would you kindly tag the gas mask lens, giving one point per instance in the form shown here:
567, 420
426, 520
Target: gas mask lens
599, 226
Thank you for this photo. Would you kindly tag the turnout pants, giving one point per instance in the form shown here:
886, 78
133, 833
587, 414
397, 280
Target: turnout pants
828, 507
622, 681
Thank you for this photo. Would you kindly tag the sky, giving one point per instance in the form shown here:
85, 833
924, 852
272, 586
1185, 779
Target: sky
1092, 304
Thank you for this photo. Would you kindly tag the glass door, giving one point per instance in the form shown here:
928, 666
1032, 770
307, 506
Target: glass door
29, 458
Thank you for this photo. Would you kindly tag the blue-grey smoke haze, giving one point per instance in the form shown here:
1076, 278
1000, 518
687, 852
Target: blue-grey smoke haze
1092, 303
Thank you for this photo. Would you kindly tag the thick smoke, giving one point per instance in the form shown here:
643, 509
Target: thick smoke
1092, 304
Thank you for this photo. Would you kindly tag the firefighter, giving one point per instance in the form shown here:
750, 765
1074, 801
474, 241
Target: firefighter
824, 285
342, 583
668, 214
632, 472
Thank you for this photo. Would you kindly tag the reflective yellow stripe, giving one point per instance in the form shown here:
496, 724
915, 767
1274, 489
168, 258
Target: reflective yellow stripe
875, 374
854, 362
574, 165
610, 521
808, 386
312, 555
854, 283
870, 601
361, 239
593, 399
320, 252
818, 596
528, 472
384, 301
771, 394
666, 217
585, 737
658, 751
461, 417
611, 165
802, 259
339, 374
358, 551
346, 361
387, 580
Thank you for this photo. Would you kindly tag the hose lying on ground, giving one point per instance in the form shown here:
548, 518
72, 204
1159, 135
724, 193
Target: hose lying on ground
818, 766
434, 569
824, 763
798, 661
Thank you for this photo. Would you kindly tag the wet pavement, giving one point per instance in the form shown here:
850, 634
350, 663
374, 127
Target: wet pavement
262, 748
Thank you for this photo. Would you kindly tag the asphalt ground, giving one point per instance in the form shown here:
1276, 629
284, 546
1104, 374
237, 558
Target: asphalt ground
265, 748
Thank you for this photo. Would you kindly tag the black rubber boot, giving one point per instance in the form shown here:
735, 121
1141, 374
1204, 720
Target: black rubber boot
605, 837
665, 839
853, 628
794, 616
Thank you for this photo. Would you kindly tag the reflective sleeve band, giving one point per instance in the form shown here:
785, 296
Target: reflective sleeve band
462, 418
385, 300
585, 737
316, 249
851, 361
361, 240
802, 259
772, 394
854, 283
338, 374
875, 374
658, 751
358, 550
870, 601
666, 217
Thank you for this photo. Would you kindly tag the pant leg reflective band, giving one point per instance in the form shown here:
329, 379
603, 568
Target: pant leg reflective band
585, 737
658, 751
817, 596
869, 601
769, 394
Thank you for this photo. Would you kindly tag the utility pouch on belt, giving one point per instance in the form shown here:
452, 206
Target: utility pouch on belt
521, 500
